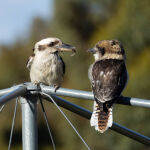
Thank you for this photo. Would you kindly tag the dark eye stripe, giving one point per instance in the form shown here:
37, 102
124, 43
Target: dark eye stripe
41, 47
53, 43
101, 50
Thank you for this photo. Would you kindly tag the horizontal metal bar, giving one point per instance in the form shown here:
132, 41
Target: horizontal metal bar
134, 102
68, 92
80, 94
6, 91
89, 96
12, 93
131, 134
115, 127
72, 107
29, 86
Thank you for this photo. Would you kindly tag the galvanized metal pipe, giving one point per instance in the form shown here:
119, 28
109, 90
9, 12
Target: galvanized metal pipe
115, 127
131, 134
77, 94
29, 123
12, 93
89, 96
29, 112
8, 90
134, 102
68, 92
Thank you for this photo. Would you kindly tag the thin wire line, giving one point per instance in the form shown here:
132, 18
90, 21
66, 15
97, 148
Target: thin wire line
13, 123
67, 120
2, 107
48, 127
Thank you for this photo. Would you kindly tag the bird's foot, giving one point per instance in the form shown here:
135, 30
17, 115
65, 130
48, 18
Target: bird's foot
56, 88
37, 84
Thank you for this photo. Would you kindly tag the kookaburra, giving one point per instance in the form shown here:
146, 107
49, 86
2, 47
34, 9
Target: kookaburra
46, 65
108, 77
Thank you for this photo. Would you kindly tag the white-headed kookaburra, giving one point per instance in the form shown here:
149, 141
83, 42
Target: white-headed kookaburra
46, 65
108, 77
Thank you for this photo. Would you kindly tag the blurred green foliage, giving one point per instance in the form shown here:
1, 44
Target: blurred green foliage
82, 24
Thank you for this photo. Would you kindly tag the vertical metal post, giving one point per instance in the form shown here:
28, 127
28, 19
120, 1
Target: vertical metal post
29, 123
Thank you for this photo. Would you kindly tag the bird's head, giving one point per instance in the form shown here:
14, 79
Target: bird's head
108, 49
53, 45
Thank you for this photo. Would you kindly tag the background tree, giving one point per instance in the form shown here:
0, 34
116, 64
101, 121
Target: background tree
83, 23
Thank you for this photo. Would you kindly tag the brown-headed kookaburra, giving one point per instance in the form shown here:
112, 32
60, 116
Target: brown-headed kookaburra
46, 65
108, 77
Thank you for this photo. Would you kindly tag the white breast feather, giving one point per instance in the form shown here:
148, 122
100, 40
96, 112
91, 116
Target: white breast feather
47, 68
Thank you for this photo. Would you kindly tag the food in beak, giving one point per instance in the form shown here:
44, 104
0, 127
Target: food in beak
66, 47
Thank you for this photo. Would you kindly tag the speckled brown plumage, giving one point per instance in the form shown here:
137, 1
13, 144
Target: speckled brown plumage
108, 78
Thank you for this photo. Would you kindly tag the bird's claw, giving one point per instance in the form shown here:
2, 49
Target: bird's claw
56, 88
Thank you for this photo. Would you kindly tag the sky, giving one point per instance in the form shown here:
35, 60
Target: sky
16, 17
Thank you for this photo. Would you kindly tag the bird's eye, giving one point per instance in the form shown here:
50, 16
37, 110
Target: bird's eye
41, 47
51, 44
101, 50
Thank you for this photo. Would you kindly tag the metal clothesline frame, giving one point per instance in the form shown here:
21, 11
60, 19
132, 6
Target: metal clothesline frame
28, 92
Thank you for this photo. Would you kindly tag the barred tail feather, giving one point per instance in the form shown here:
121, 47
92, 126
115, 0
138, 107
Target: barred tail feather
101, 119
94, 117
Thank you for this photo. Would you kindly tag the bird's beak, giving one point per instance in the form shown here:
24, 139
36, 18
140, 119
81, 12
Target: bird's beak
92, 50
67, 48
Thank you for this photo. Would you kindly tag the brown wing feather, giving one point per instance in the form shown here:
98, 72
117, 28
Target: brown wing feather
109, 79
